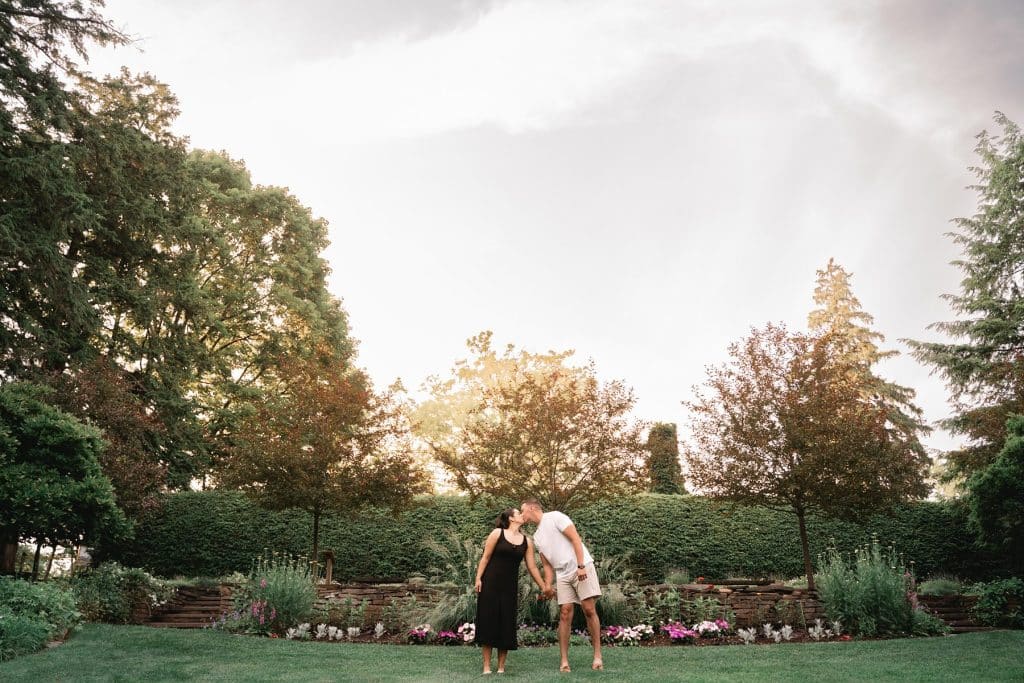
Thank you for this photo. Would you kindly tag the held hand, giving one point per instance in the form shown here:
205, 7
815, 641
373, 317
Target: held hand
548, 592
479, 585
581, 574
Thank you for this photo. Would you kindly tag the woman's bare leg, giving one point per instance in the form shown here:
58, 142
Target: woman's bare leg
502, 655
487, 658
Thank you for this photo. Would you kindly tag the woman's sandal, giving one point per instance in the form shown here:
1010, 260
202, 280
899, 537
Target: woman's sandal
597, 666
564, 669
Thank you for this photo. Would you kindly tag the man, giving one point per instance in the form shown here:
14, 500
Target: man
568, 561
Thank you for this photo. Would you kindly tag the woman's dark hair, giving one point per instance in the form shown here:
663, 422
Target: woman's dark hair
504, 518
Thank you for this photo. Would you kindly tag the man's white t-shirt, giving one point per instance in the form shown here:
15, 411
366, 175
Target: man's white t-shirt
553, 544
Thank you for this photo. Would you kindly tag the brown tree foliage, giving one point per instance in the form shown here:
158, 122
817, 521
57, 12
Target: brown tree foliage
528, 425
785, 424
326, 442
106, 396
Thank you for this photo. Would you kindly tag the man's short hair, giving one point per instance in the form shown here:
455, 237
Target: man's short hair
534, 502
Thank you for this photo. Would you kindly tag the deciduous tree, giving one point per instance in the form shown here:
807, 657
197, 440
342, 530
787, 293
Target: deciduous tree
529, 425
785, 424
51, 486
326, 442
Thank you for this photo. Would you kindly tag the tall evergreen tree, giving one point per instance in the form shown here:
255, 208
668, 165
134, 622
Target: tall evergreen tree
984, 368
839, 316
663, 459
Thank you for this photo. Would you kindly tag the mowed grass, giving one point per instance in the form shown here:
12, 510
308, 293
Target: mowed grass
132, 653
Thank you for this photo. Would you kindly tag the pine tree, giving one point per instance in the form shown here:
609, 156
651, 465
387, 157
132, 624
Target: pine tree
663, 459
839, 316
984, 371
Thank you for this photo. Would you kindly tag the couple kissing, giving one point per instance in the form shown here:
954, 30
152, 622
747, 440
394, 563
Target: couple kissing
569, 576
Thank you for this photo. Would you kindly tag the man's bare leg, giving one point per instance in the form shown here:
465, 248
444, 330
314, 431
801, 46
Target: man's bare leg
564, 630
594, 627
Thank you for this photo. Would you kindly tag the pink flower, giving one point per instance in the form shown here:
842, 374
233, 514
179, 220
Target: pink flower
263, 583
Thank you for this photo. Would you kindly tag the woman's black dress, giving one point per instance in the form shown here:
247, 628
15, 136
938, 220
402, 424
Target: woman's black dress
498, 601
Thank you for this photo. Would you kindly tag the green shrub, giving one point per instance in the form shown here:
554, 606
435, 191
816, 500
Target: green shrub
870, 595
530, 636
939, 586
213, 533
110, 592
456, 569
994, 597
32, 614
678, 577
705, 609
45, 601
926, 624
21, 634
278, 593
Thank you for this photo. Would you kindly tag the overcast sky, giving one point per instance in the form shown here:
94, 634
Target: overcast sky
639, 181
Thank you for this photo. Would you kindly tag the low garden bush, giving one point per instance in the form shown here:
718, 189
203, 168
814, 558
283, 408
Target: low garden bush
31, 614
278, 593
21, 634
872, 593
110, 593
1000, 603
939, 586
213, 533
50, 602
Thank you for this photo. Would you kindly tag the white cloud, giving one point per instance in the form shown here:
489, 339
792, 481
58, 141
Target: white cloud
534, 65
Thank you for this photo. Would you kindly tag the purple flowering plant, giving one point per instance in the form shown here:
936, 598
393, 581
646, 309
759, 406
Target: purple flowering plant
679, 633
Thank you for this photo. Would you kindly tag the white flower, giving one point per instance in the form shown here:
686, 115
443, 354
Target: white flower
354, 631
321, 631
468, 632
787, 632
332, 632
378, 630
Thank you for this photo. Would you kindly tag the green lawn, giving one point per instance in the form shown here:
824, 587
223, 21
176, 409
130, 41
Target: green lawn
131, 653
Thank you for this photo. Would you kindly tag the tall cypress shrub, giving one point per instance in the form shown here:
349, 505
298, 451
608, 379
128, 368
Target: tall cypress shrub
663, 459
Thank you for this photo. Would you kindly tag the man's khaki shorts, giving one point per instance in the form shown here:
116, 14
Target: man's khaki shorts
573, 590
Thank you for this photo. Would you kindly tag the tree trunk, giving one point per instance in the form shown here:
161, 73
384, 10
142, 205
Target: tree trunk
808, 569
35, 561
49, 562
316, 543
74, 561
9, 555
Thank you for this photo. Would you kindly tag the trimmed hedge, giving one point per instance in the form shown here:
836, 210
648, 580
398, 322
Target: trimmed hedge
213, 533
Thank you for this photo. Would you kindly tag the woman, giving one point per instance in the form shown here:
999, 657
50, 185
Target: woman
497, 586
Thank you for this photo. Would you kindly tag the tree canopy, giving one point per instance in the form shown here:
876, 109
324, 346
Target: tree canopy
995, 497
51, 484
785, 424
325, 442
519, 424
983, 367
